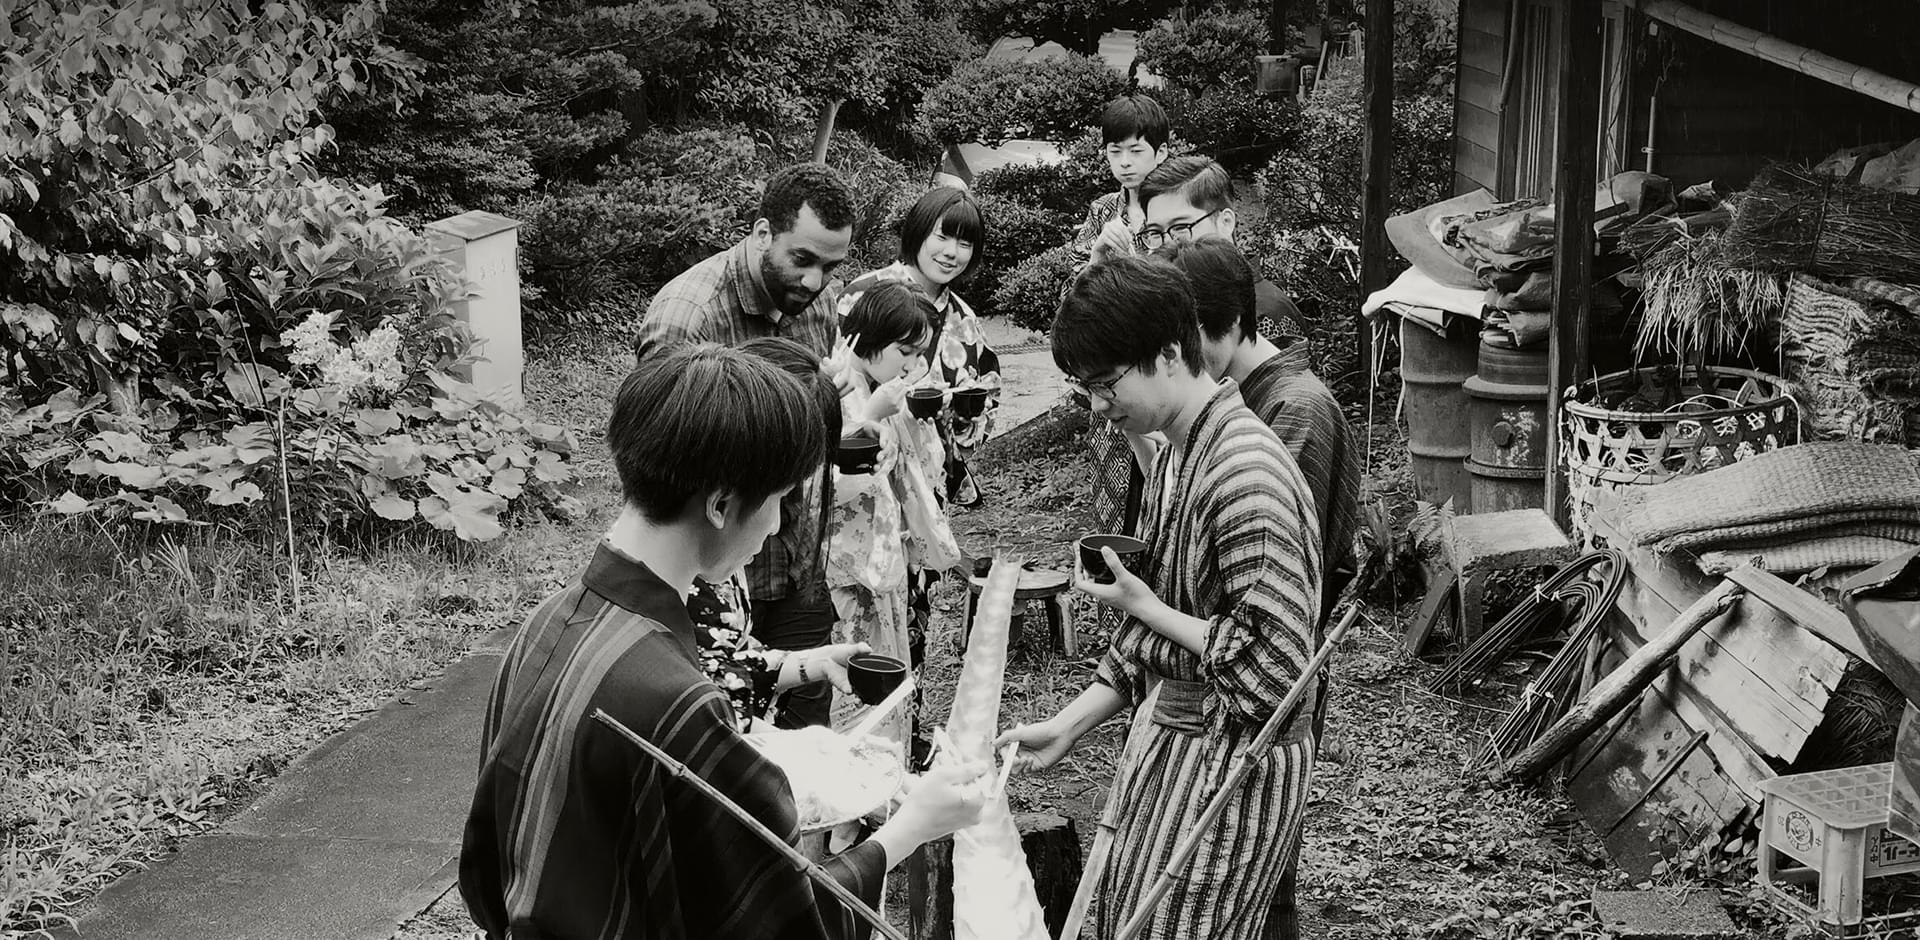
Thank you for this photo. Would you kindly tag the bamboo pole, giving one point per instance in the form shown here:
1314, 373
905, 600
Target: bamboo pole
1242, 766
1109, 825
1789, 55
1620, 687
805, 865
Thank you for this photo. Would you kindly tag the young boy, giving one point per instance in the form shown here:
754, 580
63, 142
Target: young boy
576, 834
1219, 616
1134, 131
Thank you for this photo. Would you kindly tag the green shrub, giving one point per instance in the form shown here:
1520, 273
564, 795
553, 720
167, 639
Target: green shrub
999, 100
1237, 126
157, 283
1201, 54
1015, 233
1029, 295
1075, 24
1066, 187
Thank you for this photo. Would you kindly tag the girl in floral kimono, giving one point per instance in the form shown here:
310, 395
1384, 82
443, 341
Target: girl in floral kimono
886, 527
942, 239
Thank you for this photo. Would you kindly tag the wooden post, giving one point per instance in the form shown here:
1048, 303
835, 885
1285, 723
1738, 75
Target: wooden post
1277, 27
1052, 846
1376, 164
1579, 145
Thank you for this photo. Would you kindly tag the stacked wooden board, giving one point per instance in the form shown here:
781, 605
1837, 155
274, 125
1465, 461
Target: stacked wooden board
1757, 683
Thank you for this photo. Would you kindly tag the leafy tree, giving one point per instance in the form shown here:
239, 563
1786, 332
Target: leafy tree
510, 95
1204, 52
1053, 99
192, 317
1075, 24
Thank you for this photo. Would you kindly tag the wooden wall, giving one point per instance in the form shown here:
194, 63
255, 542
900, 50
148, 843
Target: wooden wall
1476, 117
1722, 114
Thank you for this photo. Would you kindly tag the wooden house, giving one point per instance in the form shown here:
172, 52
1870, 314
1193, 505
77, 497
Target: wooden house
1555, 95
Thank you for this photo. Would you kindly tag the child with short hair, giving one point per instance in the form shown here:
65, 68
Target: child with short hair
1133, 133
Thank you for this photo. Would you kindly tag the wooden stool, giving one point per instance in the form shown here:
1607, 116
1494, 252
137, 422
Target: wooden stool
1050, 587
1485, 542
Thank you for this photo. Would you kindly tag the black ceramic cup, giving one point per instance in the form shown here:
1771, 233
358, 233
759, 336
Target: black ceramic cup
924, 403
1130, 550
874, 676
858, 453
970, 402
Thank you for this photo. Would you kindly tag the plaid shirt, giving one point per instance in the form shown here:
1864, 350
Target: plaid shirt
722, 300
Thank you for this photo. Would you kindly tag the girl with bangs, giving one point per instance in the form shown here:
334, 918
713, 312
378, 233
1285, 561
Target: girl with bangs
942, 240
886, 532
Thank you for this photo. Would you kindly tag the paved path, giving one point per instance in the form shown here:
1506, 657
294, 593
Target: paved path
357, 836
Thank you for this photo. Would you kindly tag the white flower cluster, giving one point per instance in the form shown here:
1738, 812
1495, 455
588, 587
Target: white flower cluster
371, 364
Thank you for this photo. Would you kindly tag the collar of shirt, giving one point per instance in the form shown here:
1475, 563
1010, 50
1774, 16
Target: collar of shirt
629, 583
749, 288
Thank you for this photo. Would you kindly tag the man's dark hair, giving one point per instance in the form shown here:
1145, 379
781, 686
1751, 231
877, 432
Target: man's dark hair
814, 185
1130, 116
699, 418
1222, 281
958, 216
886, 313
1124, 312
1202, 180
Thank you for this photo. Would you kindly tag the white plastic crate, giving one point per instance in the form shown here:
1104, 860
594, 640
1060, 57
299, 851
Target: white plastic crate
1834, 823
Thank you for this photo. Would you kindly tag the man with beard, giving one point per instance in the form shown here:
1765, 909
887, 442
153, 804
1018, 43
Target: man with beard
775, 282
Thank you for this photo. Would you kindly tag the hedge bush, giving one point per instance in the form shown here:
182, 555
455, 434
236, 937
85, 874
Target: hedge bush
1236, 125
1016, 231
995, 101
1029, 294
1207, 52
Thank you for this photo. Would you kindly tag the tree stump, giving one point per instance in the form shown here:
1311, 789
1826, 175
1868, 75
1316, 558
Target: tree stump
1052, 846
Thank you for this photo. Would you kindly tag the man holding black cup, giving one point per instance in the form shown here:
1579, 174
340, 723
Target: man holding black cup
776, 282
1220, 612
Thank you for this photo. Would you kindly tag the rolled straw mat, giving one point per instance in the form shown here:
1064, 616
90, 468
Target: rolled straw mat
1847, 551
1829, 478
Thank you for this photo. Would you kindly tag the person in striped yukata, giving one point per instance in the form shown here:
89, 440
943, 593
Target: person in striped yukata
1220, 616
1278, 386
576, 834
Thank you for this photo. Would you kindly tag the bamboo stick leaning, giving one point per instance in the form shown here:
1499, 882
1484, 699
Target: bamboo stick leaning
805, 865
1242, 766
1620, 687
1109, 825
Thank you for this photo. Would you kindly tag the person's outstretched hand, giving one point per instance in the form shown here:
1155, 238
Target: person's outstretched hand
888, 399
1042, 745
1127, 594
838, 364
1114, 241
949, 798
832, 660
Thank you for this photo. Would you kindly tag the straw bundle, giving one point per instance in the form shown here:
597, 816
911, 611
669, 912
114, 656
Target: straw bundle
1792, 219
1696, 302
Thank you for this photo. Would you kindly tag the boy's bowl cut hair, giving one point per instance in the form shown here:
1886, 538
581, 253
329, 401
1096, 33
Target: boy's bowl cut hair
1202, 180
1123, 313
956, 213
886, 313
1223, 297
1136, 115
697, 419
815, 185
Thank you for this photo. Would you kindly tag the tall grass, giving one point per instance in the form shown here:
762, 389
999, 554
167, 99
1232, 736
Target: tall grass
146, 686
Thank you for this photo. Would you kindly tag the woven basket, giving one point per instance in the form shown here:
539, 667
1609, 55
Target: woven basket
1819, 323
1622, 429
